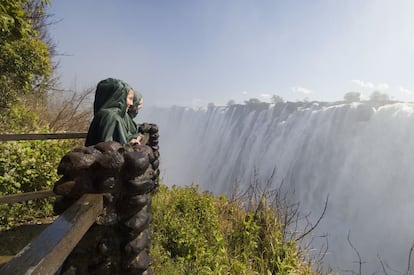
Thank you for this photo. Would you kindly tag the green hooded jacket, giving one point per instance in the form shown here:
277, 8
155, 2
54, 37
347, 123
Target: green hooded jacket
132, 113
111, 122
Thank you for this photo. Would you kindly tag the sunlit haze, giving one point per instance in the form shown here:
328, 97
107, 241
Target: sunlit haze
192, 52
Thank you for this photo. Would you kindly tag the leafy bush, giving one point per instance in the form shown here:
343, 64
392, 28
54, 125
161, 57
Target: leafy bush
19, 119
27, 166
197, 233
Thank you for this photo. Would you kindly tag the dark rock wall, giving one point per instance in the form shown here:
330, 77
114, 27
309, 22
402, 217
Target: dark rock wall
127, 175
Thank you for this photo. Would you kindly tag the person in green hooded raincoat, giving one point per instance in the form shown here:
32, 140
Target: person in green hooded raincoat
113, 115
132, 113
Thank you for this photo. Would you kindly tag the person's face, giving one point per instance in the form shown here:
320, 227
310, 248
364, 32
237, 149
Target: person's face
130, 99
140, 104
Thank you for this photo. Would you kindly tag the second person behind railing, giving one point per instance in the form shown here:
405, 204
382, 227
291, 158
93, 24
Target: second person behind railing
116, 105
132, 112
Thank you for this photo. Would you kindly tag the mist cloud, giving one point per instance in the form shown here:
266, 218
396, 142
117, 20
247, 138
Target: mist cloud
370, 85
301, 90
265, 96
406, 91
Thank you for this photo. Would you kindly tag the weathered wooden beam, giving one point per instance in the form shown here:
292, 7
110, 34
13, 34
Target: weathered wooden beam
26, 196
11, 137
47, 252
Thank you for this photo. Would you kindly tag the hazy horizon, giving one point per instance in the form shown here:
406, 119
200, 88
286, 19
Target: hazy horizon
194, 52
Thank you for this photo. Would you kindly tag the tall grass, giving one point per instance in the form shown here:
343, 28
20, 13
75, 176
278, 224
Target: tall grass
196, 232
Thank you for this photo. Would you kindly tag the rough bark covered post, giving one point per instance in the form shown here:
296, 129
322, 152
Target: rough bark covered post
119, 241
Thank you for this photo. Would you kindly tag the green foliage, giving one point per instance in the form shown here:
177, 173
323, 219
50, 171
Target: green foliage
186, 235
14, 22
27, 166
19, 120
13, 25
377, 96
252, 101
197, 233
24, 57
276, 99
231, 102
25, 69
352, 97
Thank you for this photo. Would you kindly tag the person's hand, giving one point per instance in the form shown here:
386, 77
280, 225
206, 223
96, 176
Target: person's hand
139, 139
136, 140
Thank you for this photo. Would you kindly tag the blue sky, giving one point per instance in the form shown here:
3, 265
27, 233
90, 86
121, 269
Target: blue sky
192, 52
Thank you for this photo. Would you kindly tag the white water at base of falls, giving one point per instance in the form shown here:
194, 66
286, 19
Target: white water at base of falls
360, 155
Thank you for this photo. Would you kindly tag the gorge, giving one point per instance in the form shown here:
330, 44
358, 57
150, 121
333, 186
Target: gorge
360, 155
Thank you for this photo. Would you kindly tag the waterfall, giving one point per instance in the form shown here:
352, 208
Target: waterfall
361, 155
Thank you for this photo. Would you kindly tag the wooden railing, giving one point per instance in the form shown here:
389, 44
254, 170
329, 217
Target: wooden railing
14, 137
46, 253
26, 196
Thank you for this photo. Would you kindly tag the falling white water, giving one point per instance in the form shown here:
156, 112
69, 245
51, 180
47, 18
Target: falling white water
359, 154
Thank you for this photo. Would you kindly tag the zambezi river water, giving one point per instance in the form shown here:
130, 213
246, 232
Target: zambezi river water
361, 155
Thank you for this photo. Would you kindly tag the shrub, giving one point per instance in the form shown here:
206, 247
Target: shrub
186, 235
197, 233
27, 166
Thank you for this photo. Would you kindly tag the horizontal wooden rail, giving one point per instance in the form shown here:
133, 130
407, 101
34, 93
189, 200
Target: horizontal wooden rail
15, 137
26, 196
46, 253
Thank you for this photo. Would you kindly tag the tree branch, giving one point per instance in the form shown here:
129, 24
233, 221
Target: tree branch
317, 222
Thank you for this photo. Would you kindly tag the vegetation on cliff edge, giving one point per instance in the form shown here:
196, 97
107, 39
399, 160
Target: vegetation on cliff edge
197, 233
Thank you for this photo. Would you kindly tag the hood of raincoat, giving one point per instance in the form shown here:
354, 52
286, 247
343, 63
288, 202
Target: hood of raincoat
110, 121
133, 110
111, 93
